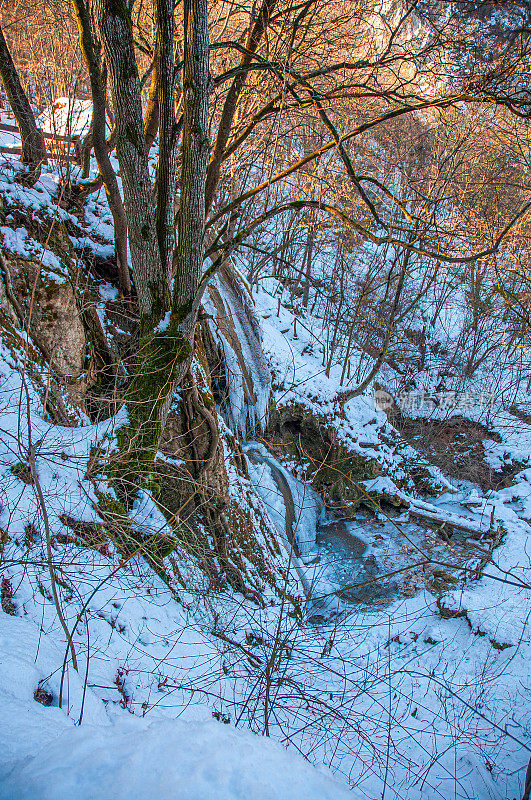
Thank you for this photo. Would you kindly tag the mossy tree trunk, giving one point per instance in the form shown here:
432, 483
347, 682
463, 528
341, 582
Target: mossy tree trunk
167, 320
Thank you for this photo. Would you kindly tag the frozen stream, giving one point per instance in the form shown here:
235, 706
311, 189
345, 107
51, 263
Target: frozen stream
332, 556
368, 561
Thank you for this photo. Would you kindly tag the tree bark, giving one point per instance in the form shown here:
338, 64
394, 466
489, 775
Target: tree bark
114, 25
97, 132
167, 324
189, 253
308, 271
151, 114
167, 165
33, 149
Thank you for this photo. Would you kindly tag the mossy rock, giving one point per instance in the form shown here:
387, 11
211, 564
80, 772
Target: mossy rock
333, 470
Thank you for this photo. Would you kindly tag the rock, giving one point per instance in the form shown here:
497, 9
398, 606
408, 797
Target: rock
43, 696
6, 597
55, 322
334, 471
55, 326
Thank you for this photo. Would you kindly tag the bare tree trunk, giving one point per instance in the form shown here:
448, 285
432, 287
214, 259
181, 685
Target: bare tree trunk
332, 347
346, 360
190, 249
344, 397
151, 114
167, 166
113, 20
308, 271
97, 133
339, 264
33, 150
86, 148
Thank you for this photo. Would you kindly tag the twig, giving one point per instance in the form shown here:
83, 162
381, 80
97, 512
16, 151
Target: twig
42, 504
237, 644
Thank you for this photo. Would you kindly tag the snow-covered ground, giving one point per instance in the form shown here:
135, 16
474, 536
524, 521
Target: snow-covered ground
427, 697
478, 637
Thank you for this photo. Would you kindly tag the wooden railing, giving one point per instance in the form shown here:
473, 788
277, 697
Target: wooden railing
63, 148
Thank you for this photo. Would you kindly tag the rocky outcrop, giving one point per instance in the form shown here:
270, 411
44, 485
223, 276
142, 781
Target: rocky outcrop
53, 320
55, 323
333, 470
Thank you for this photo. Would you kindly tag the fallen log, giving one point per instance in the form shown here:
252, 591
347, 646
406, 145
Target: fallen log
451, 521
